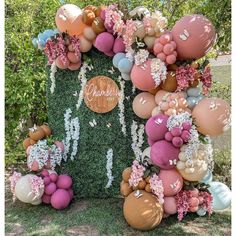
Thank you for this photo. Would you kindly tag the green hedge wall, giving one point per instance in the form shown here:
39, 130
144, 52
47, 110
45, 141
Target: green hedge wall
89, 167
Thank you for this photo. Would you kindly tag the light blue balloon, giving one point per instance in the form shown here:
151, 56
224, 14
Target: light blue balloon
117, 58
207, 178
125, 76
199, 98
221, 195
125, 65
201, 212
35, 42
193, 92
42, 36
191, 102
41, 42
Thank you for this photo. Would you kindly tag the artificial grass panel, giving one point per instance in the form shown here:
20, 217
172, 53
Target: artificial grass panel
88, 170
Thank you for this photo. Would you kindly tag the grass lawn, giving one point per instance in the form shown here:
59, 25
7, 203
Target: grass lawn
94, 217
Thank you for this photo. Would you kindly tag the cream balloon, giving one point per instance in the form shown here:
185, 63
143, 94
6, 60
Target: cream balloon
149, 41
140, 32
24, 191
85, 45
89, 34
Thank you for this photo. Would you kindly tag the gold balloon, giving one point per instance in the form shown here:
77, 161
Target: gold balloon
126, 174
125, 189
212, 116
24, 192
142, 210
170, 83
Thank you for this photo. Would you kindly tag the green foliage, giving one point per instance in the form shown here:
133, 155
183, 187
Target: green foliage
88, 170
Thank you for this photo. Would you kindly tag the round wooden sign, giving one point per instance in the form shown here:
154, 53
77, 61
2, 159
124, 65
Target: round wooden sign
101, 94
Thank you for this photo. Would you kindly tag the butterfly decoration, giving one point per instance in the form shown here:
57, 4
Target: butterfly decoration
75, 94
158, 121
111, 71
127, 98
142, 100
34, 128
185, 35
175, 184
138, 194
144, 66
173, 162
108, 125
93, 123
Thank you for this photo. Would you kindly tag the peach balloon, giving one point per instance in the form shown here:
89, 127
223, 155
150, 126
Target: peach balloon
62, 64
142, 210
85, 45
159, 95
69, 19
212, 116
170, 205
172, 182
74, 66
89, 34
142, 78
194, 36
156, 111
143, 104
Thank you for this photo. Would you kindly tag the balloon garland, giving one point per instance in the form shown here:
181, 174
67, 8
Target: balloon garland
174, 174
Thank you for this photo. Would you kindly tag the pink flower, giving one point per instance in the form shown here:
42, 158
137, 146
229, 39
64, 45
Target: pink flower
182, 199
14, 179
206, 79
128, 36
50, 51
184, 76
207, 202
74, 40
136, 174
157, 188
37, 185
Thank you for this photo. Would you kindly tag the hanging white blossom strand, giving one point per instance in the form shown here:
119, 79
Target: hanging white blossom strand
109, 167
137, 133
52, 77
121, 106
83, 79
66, 142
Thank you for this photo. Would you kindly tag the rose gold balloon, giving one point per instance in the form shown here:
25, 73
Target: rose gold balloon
143, 105
212, 116
159, 95
69, 19
194, 35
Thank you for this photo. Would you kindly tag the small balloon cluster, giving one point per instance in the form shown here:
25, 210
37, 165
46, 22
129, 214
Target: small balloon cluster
41, 150
48, 188
57, 190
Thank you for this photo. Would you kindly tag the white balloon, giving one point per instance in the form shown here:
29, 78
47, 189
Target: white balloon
201, 212
24, 192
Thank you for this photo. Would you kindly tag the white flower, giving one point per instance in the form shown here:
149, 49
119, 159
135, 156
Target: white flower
83, 79
109, 167
158, 71
121, 106
141, 56
137, 133
52, 77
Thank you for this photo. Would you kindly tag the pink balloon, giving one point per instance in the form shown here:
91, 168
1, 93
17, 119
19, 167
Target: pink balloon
168, 136
173, 44
172, 182
158, 47
176, 131
156, 127
168, 49
62, 64
194, 36
177, 141
60, 199
71, 193
50, 189
118, 45
104, 42
161, 56
46, 199
170, 205
142, 78
44, 173
53, 177
46, 180
185, 135
171, 59
64, 181
163, 154
165, 38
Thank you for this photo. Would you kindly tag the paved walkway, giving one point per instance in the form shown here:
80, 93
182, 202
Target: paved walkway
223, 60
